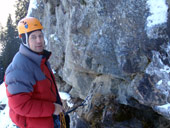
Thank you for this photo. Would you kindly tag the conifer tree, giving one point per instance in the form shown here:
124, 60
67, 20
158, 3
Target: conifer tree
21, 9
10, 42
1, 59
9, 36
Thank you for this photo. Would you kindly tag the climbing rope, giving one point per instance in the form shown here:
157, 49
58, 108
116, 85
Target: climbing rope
62, 120
59, 121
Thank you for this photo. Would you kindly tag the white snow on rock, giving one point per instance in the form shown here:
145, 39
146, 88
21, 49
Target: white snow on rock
32, 5
158, 10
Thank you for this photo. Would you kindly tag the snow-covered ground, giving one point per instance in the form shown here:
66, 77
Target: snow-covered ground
5, 121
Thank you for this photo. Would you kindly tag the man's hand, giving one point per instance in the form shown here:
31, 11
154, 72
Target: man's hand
58, 109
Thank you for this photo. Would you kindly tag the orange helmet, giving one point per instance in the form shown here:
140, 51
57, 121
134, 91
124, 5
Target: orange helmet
28, 24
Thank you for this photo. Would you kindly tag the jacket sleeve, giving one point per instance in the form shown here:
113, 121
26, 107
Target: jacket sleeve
23, 105
20, 90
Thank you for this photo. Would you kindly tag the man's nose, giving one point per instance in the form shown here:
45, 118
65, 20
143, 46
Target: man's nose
39, 39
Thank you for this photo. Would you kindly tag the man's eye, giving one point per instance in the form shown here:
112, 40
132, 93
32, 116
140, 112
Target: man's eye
33, 37
40, 36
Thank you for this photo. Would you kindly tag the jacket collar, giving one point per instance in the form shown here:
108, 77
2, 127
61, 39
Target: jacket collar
35, 57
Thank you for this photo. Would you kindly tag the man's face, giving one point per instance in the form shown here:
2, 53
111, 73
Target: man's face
36, 41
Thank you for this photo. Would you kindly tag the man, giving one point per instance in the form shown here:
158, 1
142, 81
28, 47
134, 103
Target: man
32, 93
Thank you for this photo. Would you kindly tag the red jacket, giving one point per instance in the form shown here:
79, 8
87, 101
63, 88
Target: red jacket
31, 90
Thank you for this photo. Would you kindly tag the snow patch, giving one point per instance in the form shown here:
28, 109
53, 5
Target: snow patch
3, 93
165, 106
165, 69
53, 36
32, 5
46, 41
169, 83
54, 72
159, 82
5, 121
158, 10
164, 110
66, 96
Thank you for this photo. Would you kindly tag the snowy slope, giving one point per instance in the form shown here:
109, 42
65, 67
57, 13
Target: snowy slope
5, 121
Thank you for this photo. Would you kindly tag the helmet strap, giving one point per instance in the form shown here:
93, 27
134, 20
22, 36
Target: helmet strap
26, 43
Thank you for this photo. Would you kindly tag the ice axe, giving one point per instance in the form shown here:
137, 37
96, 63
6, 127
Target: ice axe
74, 108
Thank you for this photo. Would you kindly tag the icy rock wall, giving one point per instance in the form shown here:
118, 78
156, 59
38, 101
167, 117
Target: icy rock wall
117, 48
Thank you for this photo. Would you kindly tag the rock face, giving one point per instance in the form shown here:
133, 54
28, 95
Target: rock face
110, 51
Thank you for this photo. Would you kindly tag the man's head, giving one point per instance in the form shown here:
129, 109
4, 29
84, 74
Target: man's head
29, 30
